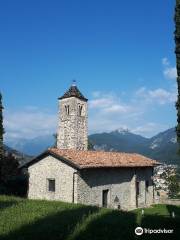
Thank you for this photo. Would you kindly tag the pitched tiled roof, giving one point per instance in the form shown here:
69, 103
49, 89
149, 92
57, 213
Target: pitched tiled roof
98, 159
73, 92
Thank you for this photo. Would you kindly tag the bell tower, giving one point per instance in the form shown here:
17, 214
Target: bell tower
72, 120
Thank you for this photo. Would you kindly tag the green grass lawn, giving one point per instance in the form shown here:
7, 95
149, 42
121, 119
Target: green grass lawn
22, 219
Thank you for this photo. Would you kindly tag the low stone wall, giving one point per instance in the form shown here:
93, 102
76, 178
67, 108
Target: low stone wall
170, 201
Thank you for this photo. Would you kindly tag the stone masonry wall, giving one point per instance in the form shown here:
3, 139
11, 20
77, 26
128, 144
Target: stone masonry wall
89, 184
146, 196
72, 128
120, 183
51, 168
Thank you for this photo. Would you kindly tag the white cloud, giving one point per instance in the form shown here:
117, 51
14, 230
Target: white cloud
159, 96
162, 96
108, 104
29, 123
165, 61
148, 128
108, 112
170, 72
100, 102
115, 108
111, 112
96, 94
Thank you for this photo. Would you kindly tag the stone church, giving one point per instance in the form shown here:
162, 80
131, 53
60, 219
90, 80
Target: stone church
73, 174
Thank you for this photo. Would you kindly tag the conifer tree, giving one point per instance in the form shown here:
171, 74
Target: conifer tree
1, 135
1, 127
177, 51
8, 163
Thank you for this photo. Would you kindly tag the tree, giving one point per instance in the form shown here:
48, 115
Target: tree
1, 134
90, 145
173, 186
8, 163
177, 51
1, 128
9, 167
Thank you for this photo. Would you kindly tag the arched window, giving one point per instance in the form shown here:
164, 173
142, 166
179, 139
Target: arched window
80, 110
67, 109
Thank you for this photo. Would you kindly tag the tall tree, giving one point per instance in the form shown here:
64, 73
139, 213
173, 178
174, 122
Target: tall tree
1, 135
177, 51
1, 128
8, 163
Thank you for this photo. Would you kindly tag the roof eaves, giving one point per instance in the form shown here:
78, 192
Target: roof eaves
110, 166
82, 98
35, 159
65, 160
49, 152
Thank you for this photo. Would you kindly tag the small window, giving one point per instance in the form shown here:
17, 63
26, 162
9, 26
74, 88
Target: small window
51, 185
80, 110
147, 185
67, 109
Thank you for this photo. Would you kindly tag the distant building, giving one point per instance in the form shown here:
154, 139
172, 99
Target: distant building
71, 173
160, 179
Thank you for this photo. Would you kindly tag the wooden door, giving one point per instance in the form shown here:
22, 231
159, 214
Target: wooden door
137, 192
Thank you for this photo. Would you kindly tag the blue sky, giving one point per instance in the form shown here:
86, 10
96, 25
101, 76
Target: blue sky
120, 52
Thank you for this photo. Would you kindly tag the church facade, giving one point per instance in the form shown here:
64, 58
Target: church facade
71, 173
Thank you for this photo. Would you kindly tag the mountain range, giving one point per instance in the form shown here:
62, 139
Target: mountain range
21, 157
162, 147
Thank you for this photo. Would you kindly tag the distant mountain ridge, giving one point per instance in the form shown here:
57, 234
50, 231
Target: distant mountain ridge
32, 146
162, 147
21, 157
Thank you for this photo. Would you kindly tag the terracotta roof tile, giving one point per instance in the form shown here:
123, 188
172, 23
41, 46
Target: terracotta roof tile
98, 159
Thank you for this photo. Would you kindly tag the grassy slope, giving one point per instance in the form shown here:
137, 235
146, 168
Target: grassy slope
22, 219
